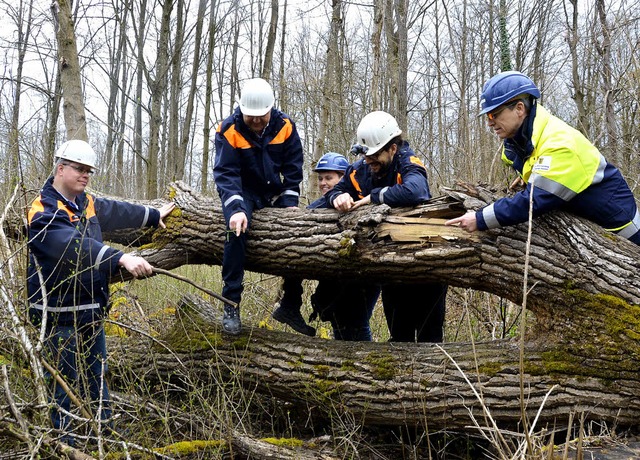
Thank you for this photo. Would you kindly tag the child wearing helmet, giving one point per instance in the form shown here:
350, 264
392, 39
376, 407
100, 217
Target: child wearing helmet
347, 305
559, 166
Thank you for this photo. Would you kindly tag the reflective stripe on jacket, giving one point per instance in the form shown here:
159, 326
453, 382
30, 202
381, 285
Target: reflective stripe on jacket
567, 172
66, 249
267, 168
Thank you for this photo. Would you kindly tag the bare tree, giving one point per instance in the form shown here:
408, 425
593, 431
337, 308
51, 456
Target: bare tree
175, 154
328, 102
117, 103
158, 85
395, 27
603, 47
267, 66
24, 31
74, 113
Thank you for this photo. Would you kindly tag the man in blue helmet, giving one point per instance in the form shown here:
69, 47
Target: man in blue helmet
557, 164
347, 305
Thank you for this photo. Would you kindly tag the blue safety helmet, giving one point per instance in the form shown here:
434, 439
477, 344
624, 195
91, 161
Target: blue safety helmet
505, 86
332, 161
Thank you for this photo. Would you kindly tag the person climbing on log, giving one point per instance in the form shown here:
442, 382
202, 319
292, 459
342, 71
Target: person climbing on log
557, 164
258, 164
391, 173
347, 305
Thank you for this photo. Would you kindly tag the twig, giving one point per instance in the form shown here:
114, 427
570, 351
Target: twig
523, 321
14, 409
215, 295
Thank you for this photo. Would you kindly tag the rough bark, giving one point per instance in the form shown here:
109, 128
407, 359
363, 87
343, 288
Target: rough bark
440, 386
69, 65
583, 289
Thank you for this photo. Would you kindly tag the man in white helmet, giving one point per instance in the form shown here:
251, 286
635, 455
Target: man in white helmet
392, 174
68, 274
258, 164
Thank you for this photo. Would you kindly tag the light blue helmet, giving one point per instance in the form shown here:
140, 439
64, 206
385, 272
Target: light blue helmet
505, 86
332, 161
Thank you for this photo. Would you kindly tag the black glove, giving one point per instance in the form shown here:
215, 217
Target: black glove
358, 149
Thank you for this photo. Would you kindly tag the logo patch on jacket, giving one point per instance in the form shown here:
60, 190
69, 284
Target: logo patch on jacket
542, 164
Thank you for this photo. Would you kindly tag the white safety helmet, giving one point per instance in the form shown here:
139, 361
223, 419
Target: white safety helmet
376, 129
256, 97
77, 151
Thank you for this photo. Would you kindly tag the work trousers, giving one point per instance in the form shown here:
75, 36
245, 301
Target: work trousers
79, 354
415, 312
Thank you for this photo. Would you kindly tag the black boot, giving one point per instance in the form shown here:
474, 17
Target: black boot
294, 319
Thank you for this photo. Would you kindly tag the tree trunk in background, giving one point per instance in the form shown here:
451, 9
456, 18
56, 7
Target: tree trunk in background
116, 111
208, 122
53, 113
175, 155
376, 59
283, 41
603, 46
70, 79
13, 165
267, 66
505, 53
396, 34
140, 74
328, 102
234, 79
188, 116
121, 129
573, 39
158, 86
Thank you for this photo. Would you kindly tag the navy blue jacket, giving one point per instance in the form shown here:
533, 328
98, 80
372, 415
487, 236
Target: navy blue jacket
266, 169
65, 243
403, 184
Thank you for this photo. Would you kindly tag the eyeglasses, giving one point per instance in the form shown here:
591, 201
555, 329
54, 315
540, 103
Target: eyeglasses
81, 170
492, 115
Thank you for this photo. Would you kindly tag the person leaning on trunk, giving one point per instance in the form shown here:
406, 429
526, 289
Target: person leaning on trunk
555, 162
346, 304
389, 172
258, 164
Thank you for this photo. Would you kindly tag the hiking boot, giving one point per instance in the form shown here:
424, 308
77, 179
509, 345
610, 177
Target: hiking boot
294, 319
231, 320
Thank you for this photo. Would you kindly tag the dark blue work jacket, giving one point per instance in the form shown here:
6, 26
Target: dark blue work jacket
65, 246
404, 183
267, 169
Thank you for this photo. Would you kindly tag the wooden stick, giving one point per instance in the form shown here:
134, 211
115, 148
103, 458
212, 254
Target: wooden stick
162, 271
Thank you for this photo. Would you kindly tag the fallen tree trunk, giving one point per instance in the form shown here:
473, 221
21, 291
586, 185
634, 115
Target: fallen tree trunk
583, 287
438, 386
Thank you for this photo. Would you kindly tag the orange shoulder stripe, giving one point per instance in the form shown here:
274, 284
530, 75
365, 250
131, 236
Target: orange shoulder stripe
355, 183
91, 207
235, 139
284, 133
36, 207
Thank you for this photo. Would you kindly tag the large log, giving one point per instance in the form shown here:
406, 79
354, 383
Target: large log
441, 386
583, 288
